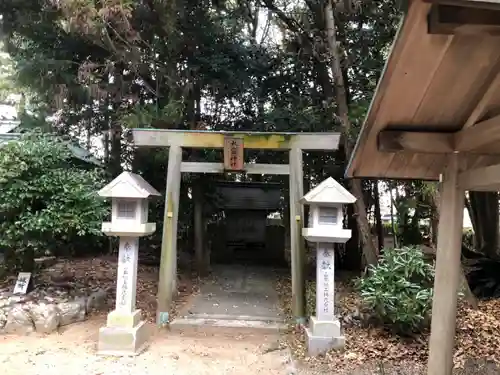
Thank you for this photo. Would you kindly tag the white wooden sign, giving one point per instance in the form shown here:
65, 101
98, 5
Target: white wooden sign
22, 283
127, 274
325, 273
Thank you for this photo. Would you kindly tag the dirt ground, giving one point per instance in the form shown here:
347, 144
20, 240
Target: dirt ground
73, 352
373, 350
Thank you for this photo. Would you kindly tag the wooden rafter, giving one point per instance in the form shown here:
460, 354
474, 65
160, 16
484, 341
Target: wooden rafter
419, 142
477, 136
472, 139
459, 19
483, 4
479, 110
481, 179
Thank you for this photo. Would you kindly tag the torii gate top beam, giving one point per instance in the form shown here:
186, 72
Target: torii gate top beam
252, 140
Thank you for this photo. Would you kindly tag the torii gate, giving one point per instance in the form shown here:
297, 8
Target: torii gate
176, 140
435, 116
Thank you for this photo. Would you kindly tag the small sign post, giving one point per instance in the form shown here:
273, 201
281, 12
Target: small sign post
23, 283
233, 154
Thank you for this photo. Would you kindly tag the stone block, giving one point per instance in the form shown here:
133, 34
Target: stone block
96, 300
72, 311
119, 341
325, 328
319, 345
121, 319
19, 322
46, 317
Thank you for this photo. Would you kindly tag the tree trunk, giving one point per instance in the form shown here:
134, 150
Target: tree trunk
483, 211
369, 247
352, 259
399, 215
286, 224
393, 224
28, 260
378, 216
105, 145
115, 167
199, 230
434, 216
115, 154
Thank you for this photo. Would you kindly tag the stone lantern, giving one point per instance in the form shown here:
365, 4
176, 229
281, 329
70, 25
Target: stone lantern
325, 228
125, 332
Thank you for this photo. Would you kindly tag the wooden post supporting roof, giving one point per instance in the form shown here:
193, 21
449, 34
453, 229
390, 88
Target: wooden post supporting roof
447, 278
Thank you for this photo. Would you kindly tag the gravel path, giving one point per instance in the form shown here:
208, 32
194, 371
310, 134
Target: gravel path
73, 353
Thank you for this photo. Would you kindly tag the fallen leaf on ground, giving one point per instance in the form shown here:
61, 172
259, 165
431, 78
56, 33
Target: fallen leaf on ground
477, 338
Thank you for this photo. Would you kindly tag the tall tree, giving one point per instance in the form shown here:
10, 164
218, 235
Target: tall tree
369, 248
105, 67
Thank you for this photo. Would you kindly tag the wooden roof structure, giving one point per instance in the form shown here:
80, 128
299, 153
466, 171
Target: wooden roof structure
439, 94
436, 115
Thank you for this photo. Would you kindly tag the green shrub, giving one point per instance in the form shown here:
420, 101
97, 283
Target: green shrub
47, 202
398, 290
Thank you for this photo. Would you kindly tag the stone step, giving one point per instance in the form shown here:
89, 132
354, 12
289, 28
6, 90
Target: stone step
276, 319
221, 325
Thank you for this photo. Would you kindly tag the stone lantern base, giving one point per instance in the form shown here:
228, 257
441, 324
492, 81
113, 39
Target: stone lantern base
124, 335
323, 336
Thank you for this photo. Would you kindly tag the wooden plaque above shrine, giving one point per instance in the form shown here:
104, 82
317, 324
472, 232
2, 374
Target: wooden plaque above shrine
234, 160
